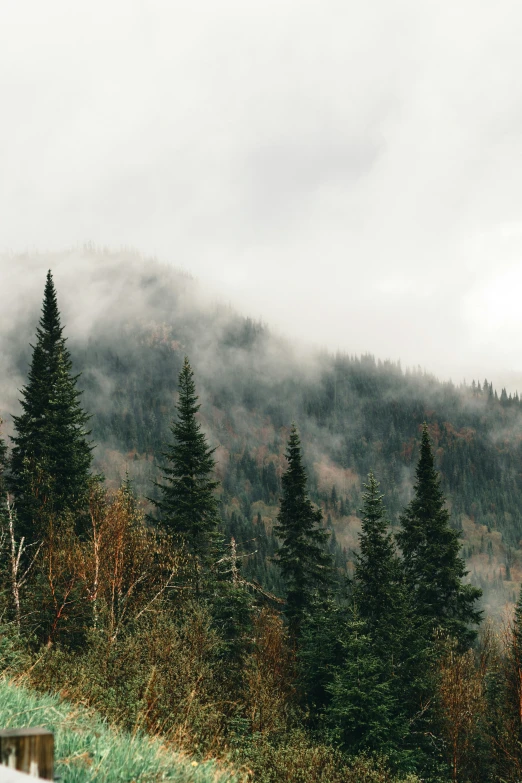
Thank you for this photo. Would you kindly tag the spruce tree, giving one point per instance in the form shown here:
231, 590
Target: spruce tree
320, 653
305, 564
51, 458
397, 635
363, 714
433, 566
187, 506
377, 582
379, 588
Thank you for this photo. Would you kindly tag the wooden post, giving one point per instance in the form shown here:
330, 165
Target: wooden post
28, 750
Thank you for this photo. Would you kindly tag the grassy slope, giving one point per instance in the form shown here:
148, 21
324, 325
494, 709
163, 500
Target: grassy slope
88, 749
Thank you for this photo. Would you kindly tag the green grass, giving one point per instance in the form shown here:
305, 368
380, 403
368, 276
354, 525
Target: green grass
88, 749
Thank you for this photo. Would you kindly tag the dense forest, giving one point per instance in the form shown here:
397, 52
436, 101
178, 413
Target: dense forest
132, 321
296, 561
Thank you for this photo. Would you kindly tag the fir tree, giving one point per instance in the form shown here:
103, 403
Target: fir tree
377, 571
320, 654
398, 635
305, 564
188, 508
430, 548
363, 713
379, 589
51, 458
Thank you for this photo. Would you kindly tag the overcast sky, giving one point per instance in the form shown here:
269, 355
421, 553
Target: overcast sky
349, 171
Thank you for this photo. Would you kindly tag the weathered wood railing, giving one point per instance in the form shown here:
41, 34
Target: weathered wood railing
27, 750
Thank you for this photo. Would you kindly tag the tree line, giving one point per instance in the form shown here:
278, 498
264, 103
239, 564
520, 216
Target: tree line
150, 617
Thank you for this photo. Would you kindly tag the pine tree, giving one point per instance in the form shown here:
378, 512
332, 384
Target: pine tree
363, 713
320, 654
51, 458
430, 548
377, 582
398, 635
188, 508
379, 588
304, 562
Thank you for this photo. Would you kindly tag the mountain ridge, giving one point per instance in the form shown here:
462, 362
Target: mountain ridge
130, 322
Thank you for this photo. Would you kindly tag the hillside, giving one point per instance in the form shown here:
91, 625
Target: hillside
87, 749
132, 320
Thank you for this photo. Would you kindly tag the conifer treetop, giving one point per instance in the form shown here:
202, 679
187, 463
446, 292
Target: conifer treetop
382, 597
187, 506
431, 554
373, 511
305, 564
51, 458
50, 330
376, 563
426, 474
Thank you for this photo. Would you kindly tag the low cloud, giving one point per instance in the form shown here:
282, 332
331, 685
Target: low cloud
349, 173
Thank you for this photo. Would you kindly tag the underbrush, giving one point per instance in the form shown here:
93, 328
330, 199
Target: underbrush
88, 749
296, 759
170, 679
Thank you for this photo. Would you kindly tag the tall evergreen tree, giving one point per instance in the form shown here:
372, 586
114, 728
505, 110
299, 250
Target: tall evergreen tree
51, 458
380, 592
320, 653
430, 548
305, 564
363, 714
396, 634
188, 508
377, 582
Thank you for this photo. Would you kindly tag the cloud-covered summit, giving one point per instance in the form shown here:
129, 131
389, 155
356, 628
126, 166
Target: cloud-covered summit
349, 172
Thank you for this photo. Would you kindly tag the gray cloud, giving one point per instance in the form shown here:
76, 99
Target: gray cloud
348, 171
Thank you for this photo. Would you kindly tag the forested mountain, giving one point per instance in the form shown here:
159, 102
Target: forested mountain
195, 540
130, 323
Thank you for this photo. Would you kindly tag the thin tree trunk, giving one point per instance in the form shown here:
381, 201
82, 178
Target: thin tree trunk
15, 562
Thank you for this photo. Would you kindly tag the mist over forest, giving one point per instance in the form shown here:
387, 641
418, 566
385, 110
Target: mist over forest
297, 563
130, 320
261, 439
